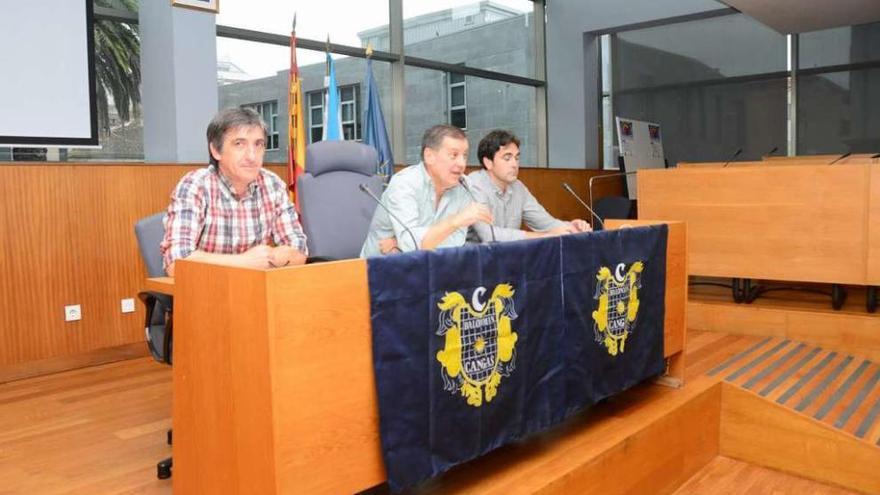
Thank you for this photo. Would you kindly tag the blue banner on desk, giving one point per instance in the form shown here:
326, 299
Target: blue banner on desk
478, 346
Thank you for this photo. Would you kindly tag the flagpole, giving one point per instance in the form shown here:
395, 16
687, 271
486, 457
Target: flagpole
295, 129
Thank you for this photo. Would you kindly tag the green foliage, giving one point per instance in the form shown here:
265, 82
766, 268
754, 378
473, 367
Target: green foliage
117, 64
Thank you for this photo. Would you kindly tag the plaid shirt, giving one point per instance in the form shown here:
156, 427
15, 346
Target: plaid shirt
206, 215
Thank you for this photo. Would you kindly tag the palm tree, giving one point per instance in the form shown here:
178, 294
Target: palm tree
117, 65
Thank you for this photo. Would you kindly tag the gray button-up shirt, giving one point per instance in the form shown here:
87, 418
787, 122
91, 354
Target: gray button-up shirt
510, 207
410, 195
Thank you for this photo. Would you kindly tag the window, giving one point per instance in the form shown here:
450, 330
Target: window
316, 115
269, 113
351, 130
711, 95
348, 108
457, 101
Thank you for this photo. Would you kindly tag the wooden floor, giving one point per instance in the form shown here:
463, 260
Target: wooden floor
96, 430
101, 430
726, 476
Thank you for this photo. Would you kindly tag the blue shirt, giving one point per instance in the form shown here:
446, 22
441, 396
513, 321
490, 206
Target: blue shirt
410, 196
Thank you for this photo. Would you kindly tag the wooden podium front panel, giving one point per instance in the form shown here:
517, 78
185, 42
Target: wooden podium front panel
222, 403
325, 409
804, 223
274, 390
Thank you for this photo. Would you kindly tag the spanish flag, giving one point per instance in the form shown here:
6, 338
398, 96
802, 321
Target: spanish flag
296, 147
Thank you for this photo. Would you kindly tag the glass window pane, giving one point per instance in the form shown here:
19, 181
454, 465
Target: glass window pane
837, 112
709, 123
456, 96
267, 82
458, 118
347, 112
845, 45
349, 23
317, 116
497, 35
494, 105
120, 137
455, 78
317, 133
700, 50
346, 94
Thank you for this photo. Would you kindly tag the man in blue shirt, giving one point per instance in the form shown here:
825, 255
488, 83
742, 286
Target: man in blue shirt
432, 208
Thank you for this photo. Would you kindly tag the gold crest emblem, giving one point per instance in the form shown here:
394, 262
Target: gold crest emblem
618, 296
479, 344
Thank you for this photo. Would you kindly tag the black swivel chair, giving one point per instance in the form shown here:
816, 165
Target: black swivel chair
617, 207
158, 325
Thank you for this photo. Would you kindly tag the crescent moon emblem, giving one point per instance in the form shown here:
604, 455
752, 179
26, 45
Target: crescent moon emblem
475, 299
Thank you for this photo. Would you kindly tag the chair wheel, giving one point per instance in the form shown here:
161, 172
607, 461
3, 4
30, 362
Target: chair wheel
838, 296
871, 303
163, 469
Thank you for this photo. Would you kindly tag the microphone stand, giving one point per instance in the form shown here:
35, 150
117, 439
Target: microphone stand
366, 190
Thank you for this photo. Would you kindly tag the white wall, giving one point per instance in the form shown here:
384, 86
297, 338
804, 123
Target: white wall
572, 142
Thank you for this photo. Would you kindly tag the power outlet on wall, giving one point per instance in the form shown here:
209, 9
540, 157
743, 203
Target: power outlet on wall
72, 312
127, 305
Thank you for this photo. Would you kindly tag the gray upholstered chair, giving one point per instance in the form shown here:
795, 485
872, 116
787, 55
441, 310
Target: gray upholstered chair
158, 324
335, 214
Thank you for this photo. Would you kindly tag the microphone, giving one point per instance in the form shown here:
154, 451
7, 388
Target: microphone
366, 190
463, 183
841, 157
770, 153
571, 191
875, 156
732, 157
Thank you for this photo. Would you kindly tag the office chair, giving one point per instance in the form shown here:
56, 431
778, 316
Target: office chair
617, 207
158, 324
335, 214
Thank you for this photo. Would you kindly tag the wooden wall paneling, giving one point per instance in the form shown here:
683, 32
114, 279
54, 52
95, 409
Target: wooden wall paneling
759, 431
804, 223
69, 239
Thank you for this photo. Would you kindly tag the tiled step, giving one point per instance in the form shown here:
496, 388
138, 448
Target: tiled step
836, 388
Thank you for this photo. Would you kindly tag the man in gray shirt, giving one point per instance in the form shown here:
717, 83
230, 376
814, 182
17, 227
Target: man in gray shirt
432, 208
511, 202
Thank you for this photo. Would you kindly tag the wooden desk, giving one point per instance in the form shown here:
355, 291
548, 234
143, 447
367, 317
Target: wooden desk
163, 285
805, 223
274, 389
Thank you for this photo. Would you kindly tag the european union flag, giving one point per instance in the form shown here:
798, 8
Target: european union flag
478, 346
375, 133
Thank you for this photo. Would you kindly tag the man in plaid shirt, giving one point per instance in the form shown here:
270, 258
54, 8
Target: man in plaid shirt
233, 212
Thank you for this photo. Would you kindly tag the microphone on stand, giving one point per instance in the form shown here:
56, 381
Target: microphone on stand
841, 157
366, 190
775, 148
463, 182
732, 157
875, 156
571, 191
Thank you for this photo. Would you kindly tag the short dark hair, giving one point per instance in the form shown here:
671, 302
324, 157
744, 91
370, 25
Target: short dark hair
434, 136
230, 118
493, 142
